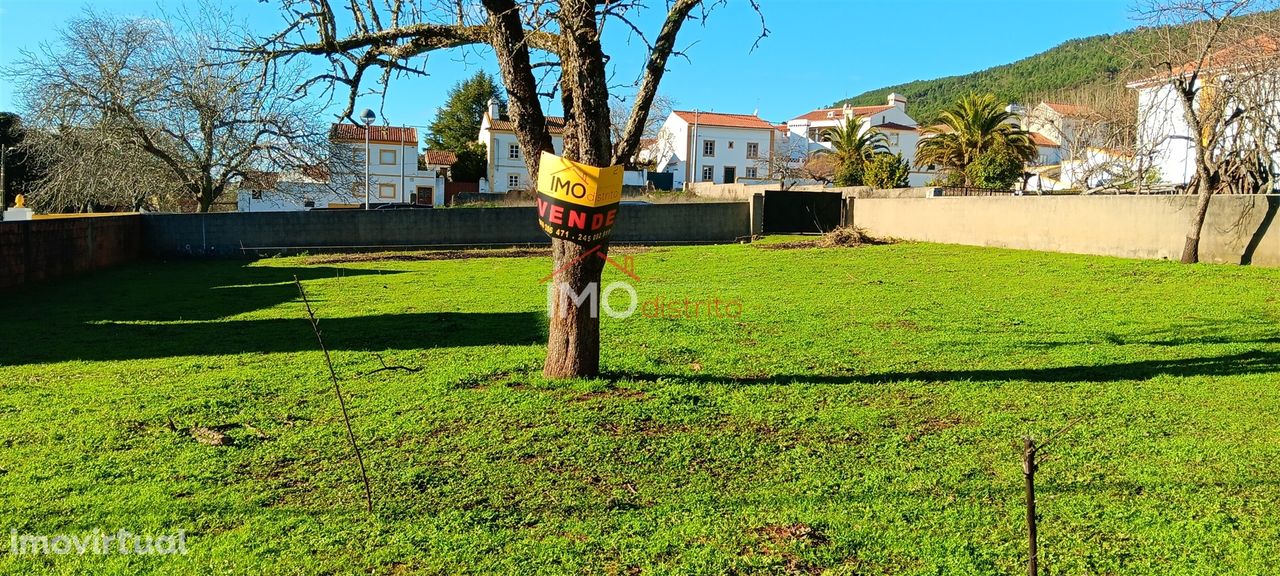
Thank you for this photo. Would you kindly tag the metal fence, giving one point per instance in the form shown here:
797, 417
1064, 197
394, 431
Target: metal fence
962, 191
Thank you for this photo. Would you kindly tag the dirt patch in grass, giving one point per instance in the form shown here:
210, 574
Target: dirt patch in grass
426, 255
842, 237
781, 540
792, 534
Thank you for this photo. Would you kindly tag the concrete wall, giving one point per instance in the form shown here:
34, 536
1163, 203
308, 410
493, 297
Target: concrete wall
1238, 229
44, 249
743, 191
236, 234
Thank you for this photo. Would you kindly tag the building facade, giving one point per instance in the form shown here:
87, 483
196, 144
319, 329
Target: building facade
507, 171
394, 175
807, 131
695, 146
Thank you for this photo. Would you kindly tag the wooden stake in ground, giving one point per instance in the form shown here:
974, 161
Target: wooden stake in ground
337, 390
1029, 473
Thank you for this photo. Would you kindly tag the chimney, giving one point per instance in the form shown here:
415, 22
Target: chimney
493, 108
847, 112
898, 101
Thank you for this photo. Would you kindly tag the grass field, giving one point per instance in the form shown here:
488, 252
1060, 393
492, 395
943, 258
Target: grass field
861, 416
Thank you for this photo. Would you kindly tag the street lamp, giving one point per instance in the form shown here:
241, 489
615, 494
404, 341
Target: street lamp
367, 117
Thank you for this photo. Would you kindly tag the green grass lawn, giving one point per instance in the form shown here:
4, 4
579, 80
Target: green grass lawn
862, 416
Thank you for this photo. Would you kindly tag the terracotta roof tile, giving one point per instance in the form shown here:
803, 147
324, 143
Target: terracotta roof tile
723, 120
838, 113
555, 124
355, 132
1042, 140
1252, 50
895, 126
1069, 109
439, 158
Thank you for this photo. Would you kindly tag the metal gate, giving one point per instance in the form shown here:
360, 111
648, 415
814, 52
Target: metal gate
802, 212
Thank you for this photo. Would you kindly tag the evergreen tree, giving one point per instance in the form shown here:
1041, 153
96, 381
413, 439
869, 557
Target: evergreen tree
457, 124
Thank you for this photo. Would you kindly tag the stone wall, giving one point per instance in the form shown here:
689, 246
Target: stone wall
49, 248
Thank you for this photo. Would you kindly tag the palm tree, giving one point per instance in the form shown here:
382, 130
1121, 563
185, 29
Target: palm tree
853, 147
850, 143
975, 124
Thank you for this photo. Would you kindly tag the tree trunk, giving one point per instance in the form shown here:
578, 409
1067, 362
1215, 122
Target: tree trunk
204, 201
1191, 249
573, 339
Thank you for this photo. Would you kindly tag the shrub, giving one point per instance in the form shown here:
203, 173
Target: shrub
997, 168
887, 171
849, 174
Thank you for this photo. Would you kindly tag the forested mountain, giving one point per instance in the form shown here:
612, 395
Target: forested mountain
1103, 61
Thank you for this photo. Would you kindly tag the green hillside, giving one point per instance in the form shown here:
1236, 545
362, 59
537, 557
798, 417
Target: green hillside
1101, 61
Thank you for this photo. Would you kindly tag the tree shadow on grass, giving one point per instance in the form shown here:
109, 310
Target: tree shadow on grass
120, 341
1253, 362
157, 310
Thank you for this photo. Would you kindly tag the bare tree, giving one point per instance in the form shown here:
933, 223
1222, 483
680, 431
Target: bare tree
566, 36
1212, 56
1095, 136
785, 160
85, 172
158, 88
620, 114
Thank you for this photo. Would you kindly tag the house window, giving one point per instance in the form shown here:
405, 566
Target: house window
386, 190
387, 157
750, 172
753, 150
513, 180
513, 151
256, 194
708, 173
731, 144
709, 148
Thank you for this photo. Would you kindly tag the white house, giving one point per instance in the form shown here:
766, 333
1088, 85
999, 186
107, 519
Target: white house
1166, 143
696, 146
1070, 127
901, 130
507, 171
394, 176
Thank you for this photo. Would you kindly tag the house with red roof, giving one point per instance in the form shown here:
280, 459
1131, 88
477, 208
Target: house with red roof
394, 175
808, 131
717, 147
507, 171
1251, 68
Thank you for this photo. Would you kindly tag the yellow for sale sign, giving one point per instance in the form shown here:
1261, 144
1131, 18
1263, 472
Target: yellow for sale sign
577, 202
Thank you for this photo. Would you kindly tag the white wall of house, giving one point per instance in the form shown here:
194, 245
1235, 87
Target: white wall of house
293, 194
722, 154
507, 170
719, 154
1092, 167
1163, 134
394, 177
673, 144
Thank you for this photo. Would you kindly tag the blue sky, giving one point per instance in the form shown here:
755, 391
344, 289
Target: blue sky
819, 50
